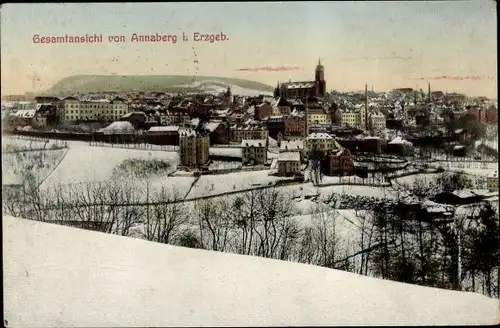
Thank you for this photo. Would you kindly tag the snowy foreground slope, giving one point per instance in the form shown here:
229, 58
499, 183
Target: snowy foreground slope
61, 276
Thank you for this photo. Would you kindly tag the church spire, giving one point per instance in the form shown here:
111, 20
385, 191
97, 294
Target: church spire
319, 61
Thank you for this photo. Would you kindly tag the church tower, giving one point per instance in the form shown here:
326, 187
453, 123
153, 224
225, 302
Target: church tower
277, 91
319, 79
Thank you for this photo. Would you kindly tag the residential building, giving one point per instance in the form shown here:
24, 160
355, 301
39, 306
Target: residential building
295, 124
254, 151
275, 125
289, 163
239, 133
94, 110
218, 131
376, 122
283, 106
349, 118
317, 115
262, 111
338, 162
174, 117
194, 148
322, 142
492, 182
293, 145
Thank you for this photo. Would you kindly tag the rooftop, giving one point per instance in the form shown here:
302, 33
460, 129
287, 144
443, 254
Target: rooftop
290, 156
253, 143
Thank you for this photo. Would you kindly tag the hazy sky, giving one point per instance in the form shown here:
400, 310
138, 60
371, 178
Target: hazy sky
452, 44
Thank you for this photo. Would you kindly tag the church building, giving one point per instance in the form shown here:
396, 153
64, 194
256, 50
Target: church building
292, 90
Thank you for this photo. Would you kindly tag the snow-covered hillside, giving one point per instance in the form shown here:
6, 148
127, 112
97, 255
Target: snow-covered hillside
61, 276
216, 86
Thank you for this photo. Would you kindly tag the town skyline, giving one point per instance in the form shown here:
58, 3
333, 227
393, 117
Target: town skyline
454, 47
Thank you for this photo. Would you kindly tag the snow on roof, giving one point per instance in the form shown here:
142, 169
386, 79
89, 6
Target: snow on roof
299, 85
93, 271
133, 113
164, 128
195, 121
120, 127
399, 141
25, 113
458, 147
289, 156
319, 136
292, 144
465, 193
185, 132
253, 143
211, 126
493, 175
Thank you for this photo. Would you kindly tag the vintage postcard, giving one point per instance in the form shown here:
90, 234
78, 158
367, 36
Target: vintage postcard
250, 164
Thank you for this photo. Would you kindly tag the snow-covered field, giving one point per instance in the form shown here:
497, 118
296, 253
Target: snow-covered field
87, 164
89, 279
17, 165
217, 184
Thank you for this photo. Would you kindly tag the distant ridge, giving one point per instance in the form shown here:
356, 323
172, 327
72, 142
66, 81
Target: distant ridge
153, 83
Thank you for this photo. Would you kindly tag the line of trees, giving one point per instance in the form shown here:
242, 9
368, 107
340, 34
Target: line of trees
383, 238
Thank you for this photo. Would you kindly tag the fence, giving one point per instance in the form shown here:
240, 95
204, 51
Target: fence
226, 146
136, 146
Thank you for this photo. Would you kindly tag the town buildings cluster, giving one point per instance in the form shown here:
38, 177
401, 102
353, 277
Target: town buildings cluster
302, 118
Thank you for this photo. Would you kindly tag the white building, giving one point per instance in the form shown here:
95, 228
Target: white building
293, 145
289, 163
93, 110
376, 121
322, 142
254, 151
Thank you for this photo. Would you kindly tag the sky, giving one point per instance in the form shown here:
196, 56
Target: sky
451, 44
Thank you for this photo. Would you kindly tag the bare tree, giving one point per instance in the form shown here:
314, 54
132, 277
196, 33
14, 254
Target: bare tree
213, 223
325, 238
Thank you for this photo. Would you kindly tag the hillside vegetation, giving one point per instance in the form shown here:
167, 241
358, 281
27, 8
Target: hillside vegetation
159, 83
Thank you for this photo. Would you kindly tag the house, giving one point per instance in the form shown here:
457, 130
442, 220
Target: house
218, 131
459, 151
316, 115
275, 125
194, 148
289, 163
254, 151
50, 112
293, 145
321, 142
163, 135
376, 122
239, 133
262, 111
39, 121
458, 197
492, 181
283, 106
399, 146
23, 117
295, 124
94, 110
338, 162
